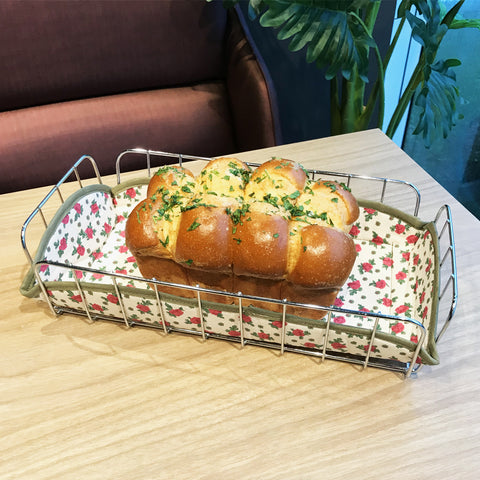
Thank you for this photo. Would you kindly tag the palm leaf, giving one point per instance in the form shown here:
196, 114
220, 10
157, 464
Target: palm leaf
330, 31
428, 30
438, 99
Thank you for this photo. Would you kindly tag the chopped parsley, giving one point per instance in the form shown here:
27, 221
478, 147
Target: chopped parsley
169, 203
166, 242
292, 209
294, 195
271, 199
332, 186
196, 202
243, 173
193, 226
238, 213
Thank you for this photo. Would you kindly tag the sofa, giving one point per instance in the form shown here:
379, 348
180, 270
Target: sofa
98, 77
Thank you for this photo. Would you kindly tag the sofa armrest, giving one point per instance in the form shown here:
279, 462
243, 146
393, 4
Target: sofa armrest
252, 95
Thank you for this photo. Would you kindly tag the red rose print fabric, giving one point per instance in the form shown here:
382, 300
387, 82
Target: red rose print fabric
393, 275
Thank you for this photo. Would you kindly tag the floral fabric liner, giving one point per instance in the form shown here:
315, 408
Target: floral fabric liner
396, 274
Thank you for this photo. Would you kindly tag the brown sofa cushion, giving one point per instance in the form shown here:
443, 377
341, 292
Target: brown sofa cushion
99, 77
58, 50
193, 120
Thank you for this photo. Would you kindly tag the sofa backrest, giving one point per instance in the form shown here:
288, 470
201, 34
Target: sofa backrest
57, 50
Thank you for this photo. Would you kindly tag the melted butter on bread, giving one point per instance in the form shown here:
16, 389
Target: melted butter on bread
328, 203
277, 178
272, 232
224, 176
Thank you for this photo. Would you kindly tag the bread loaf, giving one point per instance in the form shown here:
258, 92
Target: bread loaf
271, 232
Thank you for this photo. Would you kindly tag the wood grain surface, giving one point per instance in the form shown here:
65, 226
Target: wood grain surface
98, 401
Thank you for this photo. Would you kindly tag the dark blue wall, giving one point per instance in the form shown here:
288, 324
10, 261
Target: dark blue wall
303, 93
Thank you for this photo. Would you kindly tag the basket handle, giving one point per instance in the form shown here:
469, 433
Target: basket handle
56, 189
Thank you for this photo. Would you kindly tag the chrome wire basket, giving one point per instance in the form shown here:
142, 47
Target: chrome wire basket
371, 328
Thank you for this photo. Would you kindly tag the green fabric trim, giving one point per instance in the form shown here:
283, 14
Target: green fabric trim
394, 212
133, 182
29, 288
430, 348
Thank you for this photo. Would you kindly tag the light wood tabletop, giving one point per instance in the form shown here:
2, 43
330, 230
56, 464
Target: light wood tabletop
98, 401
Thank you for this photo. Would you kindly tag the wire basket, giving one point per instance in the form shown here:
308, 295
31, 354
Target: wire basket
373, 323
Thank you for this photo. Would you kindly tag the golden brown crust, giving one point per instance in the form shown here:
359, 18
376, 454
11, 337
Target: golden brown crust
140, 235
310, 296
152, 226
260, 242
325, 259
171, 178
259, 287
204, 235
224, 176
165, 270
276, 178
273, 234
213, 281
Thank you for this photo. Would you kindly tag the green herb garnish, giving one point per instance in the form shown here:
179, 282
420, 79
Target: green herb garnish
193, 226
166, 242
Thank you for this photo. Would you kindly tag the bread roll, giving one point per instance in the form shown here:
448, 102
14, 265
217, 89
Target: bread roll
166, 270
224, 176
319, 267
204, 234
260, 251
259, 287
260, 242
152, 226
269, 233
309, 296
275, 180
171, 179
325, 259
204, 245
328, 203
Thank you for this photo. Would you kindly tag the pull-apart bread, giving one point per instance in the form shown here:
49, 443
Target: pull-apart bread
271, 232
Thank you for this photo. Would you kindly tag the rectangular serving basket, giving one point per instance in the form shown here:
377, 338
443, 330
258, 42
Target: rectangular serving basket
392, 311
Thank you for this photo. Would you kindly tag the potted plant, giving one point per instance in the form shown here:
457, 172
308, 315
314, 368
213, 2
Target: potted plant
338, 37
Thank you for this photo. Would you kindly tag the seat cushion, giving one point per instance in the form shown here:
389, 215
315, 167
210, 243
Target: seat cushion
40, 144
55, 50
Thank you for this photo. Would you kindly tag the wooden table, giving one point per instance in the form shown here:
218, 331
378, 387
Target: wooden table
96, 401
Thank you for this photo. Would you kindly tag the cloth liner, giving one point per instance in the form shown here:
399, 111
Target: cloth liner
396, 273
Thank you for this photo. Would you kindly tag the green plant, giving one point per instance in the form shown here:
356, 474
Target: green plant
338, 36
